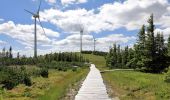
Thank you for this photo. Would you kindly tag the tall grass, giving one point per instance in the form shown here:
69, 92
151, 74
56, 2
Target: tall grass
59, 90
52, 88
99, 61
132, 85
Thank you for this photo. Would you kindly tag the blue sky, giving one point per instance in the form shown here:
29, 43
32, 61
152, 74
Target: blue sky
110, 21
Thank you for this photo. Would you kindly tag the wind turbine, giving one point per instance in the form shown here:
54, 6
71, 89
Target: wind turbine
81, 31
94, 42
36, 16
81, 38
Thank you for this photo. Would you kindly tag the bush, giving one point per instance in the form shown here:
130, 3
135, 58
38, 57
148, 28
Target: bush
167, 77
44, 72
11, 77
27, 81
11, 81
74, 69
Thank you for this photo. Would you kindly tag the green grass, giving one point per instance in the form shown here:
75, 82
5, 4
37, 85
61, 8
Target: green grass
99, 61
59, 90
52, 88
131, 85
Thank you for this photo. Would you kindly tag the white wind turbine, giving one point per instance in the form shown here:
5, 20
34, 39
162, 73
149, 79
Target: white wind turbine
36, 16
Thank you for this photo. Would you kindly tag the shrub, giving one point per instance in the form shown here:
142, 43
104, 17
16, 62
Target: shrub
10, 81
74, 69
167, 77
44, 72
11, 77
27, 81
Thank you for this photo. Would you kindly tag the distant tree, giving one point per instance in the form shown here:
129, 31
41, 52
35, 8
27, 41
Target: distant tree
114, 56
3, 52
7, 54
18, 55
168, 46
10, 52
125, 56
119, 56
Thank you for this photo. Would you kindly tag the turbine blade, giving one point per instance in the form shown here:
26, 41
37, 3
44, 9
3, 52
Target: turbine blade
39, 7
42, 26
29, 12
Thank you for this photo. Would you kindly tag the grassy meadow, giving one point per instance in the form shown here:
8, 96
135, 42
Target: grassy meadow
52, 88
99, 61
134, 85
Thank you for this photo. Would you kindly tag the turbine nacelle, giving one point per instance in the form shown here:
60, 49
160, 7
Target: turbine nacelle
36, 16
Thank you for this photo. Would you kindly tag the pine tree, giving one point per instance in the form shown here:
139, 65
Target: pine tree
125, 56
168, 46
141, 39
18, 55
108, 58
119, 56
140, 52
150, 45
3, 52
10, 52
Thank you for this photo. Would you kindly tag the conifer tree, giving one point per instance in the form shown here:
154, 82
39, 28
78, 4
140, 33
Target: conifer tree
168, 46
18, 55
10, 52
125, 56
119, 56
150, 43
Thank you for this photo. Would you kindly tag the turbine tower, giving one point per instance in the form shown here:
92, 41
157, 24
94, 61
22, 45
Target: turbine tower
94, 43
81, 38
36, 16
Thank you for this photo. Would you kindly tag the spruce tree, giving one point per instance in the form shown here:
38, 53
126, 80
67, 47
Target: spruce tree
18, 55
141, 38
113, 56
125, 57
119, 56
10, 52
168, 46
150, 45
140, 52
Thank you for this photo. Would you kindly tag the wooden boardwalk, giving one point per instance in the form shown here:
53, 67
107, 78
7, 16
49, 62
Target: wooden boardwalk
93, 87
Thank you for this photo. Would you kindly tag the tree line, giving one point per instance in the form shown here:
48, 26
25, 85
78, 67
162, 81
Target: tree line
13, 71
99, 53
150, 53
6, 58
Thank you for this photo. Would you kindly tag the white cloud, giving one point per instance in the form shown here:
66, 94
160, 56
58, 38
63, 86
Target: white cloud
130, 14
166, 32
25, 33
1, 20
67, 2
116, 38
2, 42
51, 1
72, 42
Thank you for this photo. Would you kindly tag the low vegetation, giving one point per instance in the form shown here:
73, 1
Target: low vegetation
99, 61
44, 77
99, 53
132, 85
52, 88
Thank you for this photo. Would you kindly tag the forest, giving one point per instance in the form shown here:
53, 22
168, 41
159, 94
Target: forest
151, 52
